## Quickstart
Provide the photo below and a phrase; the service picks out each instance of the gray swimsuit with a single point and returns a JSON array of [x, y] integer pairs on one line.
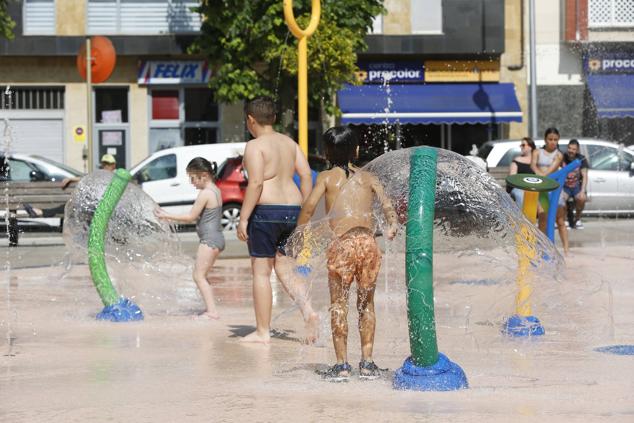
[[209, 229]]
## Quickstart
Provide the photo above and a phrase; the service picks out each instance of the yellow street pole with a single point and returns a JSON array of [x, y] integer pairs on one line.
[[302, 64]]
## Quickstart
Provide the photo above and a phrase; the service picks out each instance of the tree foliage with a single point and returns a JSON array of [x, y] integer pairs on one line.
[[253, 53], [6, 23]]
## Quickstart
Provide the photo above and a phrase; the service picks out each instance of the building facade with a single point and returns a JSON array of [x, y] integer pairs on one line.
[[434, 73], [156, 97], [585, 62]]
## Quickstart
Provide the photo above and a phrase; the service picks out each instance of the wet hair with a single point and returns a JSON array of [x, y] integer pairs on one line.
[[574, 142], [262, 109], [530, 142], [551, 130], [341, 146], [202, 165]]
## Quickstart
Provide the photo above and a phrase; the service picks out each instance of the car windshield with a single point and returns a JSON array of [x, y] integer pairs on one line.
[[59, 165]]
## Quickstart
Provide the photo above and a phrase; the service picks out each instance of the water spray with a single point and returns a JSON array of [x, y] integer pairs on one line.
[[523, 323], [426, 369], [117, 309]]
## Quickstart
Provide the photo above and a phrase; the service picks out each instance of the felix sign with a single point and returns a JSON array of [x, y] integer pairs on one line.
[[178, 72]]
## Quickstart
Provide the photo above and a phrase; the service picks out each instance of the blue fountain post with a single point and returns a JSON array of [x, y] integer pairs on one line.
[[553, 197], [117, 309], [426, 369]]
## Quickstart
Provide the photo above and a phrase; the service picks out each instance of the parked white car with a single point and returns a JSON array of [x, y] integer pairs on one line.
[[163, 177], [610, 172]]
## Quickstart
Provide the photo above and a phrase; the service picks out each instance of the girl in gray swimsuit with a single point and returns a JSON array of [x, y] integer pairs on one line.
[[208, 226], [206, 213]]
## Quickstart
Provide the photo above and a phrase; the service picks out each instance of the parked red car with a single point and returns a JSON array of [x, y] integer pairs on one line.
[[232, 184]]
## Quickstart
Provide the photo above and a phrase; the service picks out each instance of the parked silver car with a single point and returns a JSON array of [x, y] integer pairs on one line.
[[610, 173]]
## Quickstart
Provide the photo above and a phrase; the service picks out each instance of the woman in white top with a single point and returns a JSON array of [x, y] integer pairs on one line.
[[545, 161]]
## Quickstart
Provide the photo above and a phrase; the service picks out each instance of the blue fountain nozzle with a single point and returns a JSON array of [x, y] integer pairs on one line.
[[520, 326], [303, 269], [123, 311]]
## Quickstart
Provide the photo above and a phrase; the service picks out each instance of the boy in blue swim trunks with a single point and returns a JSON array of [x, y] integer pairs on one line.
[[269, 213]]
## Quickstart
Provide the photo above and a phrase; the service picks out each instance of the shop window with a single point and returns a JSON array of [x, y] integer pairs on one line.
[[162, 138], [39, 17], [32, 98], [196, 136], [377, 25], [200, 105], [111, 105], [142, 17], [165, 105], [426, 16], [183, 116]]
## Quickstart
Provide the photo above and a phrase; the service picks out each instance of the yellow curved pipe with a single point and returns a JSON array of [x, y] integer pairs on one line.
[[289, 16], [302, 65]]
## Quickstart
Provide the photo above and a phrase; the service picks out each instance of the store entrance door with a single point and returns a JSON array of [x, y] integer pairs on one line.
[[113, 141]]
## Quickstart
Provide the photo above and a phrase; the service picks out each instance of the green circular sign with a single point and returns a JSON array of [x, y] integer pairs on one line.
[[530, 182]]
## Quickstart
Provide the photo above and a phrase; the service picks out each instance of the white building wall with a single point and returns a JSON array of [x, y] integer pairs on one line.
[[557, 64]]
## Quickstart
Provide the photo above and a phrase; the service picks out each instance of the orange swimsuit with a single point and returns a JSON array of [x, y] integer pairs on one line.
[[355, 255]]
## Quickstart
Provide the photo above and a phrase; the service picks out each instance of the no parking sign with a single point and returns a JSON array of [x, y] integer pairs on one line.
[[79, 133]]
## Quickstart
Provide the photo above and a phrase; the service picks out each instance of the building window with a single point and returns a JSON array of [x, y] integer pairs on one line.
[[610, 14], [111, 105], [142, 17], [377, 25], [38, 17], [426, 16], [31, 98], [183, 116]]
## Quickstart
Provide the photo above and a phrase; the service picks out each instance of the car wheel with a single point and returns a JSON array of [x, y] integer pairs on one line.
[[230, 217]]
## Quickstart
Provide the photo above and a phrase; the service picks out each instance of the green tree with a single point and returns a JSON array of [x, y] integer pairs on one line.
[[253, 53], [6, 23]]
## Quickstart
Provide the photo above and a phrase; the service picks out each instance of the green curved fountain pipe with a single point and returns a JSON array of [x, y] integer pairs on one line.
[[419, 257], [97, 236]]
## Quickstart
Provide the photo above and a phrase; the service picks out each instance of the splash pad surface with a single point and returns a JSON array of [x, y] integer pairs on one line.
[[60, 365], [65, 366]]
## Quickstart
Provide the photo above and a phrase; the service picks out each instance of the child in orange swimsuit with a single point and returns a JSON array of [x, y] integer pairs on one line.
[[354, 255]]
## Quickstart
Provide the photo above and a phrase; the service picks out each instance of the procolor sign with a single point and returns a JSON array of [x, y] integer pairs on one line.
[[380, 72], [610, 63]]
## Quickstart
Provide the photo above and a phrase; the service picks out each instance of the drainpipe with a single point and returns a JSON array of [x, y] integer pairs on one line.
[[533, 70]]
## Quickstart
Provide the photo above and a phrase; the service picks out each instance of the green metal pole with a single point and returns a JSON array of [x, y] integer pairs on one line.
[[97, 236], [419, 257]]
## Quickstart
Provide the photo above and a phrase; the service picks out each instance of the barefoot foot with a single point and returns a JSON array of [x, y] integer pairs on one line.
[[207, 316], [255, 337], [312, 328]]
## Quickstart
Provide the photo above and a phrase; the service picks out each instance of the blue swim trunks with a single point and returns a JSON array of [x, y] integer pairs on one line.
[[269, 227]]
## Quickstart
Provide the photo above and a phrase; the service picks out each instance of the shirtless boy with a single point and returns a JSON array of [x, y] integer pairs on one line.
[[355, 253], [269, 213]]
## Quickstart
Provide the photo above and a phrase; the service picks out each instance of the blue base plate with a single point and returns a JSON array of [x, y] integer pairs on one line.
[[303, 270], [123, 311], [444, 375], [523, 326], [617, 349]]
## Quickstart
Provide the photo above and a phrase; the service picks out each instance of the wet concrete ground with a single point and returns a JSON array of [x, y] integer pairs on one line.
[[57, 364]]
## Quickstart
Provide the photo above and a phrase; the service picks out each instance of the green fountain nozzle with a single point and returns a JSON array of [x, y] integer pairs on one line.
[[116, 308]]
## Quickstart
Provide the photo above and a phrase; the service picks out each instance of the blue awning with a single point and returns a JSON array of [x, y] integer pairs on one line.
[[613, 95], [433, 103]]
